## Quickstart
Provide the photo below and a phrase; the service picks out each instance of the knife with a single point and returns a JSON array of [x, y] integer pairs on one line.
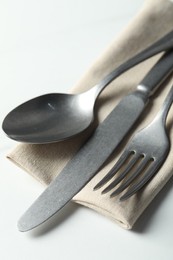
[[91, 156]]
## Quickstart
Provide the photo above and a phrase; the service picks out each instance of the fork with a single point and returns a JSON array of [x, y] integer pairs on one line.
[[143, 156]]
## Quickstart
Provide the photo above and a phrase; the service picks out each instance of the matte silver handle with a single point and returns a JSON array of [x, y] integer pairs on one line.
[[163, 44], [157, 74], [162, 115]]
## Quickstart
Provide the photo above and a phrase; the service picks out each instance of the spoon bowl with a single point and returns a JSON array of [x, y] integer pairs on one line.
[[49, 118]]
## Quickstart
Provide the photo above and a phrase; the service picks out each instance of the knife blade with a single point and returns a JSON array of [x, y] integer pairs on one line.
[[91, 156]]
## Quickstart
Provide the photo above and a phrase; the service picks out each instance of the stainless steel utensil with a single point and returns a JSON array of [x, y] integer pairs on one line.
[[55, 117], [89, 159], [144, 155]]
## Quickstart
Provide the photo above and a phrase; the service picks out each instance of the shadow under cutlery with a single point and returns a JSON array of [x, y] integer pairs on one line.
[[55, 221], [147, 217]]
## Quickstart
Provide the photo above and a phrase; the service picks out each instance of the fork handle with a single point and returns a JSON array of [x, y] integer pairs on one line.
[[157, 74], [163, 112]]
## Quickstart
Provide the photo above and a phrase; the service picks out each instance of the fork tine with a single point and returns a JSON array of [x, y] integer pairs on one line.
[[114, 170], [123, 174], [129, 180], [136, 187]]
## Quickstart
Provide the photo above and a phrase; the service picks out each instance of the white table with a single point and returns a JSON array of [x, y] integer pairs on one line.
[[45, 46]]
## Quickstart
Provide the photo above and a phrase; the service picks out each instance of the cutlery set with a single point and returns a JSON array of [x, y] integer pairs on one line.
[[56, 117]]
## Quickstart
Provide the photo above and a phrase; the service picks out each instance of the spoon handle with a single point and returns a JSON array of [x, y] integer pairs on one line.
[[163, 44]]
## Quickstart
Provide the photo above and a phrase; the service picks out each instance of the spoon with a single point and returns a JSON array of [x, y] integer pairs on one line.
[[56, 117]]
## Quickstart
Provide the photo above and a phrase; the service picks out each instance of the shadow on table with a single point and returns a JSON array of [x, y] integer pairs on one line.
[[55, 221], [147, 216]]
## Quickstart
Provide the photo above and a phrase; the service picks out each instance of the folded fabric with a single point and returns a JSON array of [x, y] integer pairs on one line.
[[46, 161]]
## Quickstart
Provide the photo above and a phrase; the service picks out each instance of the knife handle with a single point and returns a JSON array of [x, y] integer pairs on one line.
[[161, 45], [157, 74]]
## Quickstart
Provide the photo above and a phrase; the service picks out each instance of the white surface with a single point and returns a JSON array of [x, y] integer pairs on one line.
[[45, 46]]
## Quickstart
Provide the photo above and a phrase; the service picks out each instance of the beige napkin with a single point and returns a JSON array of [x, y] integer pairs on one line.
[[44, 162]]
